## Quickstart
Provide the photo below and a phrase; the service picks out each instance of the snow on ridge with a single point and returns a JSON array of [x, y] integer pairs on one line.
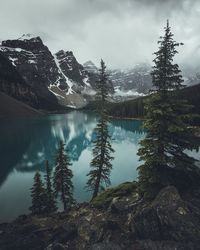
[[27, 37], [5, 48], [69, 83], [86, 81], [13, 60]]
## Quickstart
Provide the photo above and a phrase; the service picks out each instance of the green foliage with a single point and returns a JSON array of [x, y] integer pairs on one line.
[[105, 197], [50, 203], [63, 177], [101, 166], [168, 132], [38, 195]]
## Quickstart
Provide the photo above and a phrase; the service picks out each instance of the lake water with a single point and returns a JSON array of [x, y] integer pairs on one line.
[[25, 144]]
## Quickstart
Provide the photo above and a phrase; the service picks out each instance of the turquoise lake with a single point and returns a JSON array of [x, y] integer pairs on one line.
[[25, 144]]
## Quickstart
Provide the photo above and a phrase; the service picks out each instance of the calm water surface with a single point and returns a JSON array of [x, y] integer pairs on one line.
[[25, 144]]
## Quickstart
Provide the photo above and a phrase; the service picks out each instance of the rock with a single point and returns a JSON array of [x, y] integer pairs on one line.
[[167, 218], [66, 232], [56, 246], [13, 84], [90, 232], [105, 246], [51, 78], [166, 245], [34, 62], [170, 222], [118, 205]]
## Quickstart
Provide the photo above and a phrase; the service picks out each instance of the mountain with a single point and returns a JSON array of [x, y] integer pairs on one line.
[[12, 84], [90, 67], [137, 79], [34, 62], [135, 108], [55, 78], [129, 83], [10, 107], [60, 80], [76, 91]]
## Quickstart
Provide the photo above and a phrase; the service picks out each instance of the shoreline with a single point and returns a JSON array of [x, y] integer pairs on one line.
[[126, 118]]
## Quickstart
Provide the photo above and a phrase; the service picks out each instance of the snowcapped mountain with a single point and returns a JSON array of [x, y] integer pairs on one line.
[[35, 63], [55, 78], [12, 84], [129, 83], [137, 78], [90, 67], [60, 79]]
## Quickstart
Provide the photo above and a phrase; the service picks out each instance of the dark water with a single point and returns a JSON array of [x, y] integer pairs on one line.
[[25, 144]]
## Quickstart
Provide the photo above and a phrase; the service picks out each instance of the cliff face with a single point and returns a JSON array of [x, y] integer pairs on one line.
[[118, 219], [34, 62], [12, 84], [73, 70]]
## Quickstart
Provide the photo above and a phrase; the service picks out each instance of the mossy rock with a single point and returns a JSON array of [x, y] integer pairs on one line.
[[104, 198]]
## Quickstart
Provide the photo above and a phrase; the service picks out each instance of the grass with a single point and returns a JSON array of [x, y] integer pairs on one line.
[[104, 198]]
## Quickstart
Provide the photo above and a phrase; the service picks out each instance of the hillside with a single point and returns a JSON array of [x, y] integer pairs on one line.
[[135, 108], [10, 107]]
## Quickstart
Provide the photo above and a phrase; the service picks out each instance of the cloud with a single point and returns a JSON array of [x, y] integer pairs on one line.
[[123, 32]]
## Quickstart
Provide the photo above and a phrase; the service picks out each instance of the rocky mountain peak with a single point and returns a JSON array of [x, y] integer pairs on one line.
[[25, 42], [90, 67], [32, 37], [69, 65]]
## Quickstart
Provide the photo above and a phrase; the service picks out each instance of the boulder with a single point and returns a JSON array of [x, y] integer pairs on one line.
[[167, 218]]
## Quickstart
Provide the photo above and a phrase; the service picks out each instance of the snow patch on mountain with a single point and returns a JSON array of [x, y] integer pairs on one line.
[[129, 93], [68, 81]]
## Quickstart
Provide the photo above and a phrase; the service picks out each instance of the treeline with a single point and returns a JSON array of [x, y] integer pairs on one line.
[[135, 108]]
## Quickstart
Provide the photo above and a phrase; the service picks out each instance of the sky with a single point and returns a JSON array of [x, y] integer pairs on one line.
[[122, 32]]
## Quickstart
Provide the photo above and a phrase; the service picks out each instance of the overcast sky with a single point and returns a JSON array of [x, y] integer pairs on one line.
[[122, 32]]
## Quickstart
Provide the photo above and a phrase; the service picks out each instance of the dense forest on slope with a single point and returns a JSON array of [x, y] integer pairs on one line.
[[135, 108]]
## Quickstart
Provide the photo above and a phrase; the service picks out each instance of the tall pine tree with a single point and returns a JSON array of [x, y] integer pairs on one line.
[[101, 166], [38, 195], [168, 132], [50, 199], [63, 177]]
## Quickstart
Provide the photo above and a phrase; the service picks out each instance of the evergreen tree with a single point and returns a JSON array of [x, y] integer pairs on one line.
[[101, 166], [63, 177], [168, 132], [50, 203], [38, 195]]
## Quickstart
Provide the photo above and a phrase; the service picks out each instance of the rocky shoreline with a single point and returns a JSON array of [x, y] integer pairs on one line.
[[118, 219]]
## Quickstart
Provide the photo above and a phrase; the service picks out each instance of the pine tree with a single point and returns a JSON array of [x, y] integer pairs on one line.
[[101, 166], [50, 203], [38, 195], [168, 132], [63, 177]]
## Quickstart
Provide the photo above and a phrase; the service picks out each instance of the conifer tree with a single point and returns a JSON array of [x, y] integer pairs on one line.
[[63, 185], [168, 132], [38, 195], [50, 199], [101, 166]]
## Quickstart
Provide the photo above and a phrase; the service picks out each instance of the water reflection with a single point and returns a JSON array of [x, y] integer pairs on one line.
[[26, 144]]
